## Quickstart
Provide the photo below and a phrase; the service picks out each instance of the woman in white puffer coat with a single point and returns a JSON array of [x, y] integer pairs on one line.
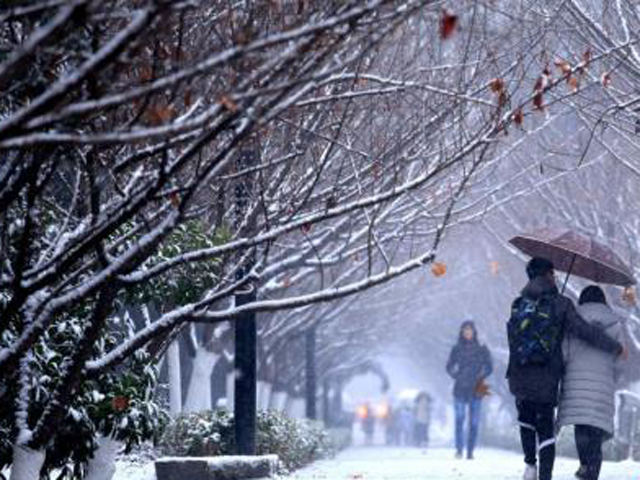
[[587, 398]]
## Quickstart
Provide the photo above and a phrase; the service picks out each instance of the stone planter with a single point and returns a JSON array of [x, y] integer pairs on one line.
[[216, 468]]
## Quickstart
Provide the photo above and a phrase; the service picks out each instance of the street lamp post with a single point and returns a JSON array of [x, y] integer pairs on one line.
[[245, 332]]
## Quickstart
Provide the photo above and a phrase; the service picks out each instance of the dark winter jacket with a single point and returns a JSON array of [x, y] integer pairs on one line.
[[469, 362], [537, 383]]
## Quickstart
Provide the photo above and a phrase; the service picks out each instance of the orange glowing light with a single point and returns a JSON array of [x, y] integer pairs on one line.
[[362, 412]]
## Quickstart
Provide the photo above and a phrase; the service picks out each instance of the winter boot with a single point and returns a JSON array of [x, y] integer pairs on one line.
[[582, 472]]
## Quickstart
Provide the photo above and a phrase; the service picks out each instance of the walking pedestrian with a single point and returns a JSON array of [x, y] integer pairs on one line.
[[540, 318], [368, 423], [587, 398], [469, 364], [423, 419]]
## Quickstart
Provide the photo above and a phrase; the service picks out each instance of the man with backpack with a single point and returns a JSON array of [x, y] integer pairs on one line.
[[540, 317]]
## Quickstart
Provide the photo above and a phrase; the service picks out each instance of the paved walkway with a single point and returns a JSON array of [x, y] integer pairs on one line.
[[380, 463]]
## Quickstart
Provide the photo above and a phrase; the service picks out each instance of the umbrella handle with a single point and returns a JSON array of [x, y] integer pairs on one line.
[[566, 279]]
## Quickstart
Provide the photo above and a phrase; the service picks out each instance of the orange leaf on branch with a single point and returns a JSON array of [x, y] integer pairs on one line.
[[448, 24], [228, 103], [606, 79], [563, 66], [438, 269], [159, 113], [574, 84]]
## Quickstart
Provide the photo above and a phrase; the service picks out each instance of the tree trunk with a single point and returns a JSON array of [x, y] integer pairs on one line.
[[26, 463], [103, 464], [231, 389], [199, 392], [264, 395], [295, 407], [175, 378], [279, 400]]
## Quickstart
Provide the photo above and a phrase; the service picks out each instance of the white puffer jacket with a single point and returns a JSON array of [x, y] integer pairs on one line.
[[589, 383]]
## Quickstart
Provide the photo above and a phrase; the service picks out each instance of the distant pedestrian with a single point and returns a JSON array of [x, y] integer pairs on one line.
[[406, 423], [540, 317], [391, 426], [368, 423], [423, 419], [587, 397], [469, 364]]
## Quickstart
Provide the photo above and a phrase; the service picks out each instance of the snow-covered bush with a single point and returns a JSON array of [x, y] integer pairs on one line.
[[117, 404], [202, 434], [211, 433]]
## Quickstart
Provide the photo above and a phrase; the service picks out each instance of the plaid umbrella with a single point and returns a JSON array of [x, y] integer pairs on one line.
[[575, 253]]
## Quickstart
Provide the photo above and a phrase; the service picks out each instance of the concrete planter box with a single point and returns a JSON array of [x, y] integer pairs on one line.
[[216, 468]]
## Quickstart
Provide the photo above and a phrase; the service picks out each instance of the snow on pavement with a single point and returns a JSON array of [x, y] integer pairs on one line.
[[379, 463]]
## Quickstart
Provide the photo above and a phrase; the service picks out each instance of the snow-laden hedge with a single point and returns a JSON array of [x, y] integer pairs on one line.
[[211, 433]]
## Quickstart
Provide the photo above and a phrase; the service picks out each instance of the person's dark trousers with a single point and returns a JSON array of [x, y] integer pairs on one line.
[[589, 444], [461, 406], [537, 435]]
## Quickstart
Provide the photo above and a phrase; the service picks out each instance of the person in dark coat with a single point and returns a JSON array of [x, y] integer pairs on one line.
[[536, 387], [469, 364]]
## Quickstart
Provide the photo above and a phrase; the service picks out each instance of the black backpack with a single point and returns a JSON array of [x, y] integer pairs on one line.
[[534, 333]]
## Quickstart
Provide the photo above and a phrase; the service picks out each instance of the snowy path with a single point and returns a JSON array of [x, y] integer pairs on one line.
[[378, 463]]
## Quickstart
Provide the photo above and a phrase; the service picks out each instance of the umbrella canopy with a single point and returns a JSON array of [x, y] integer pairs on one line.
[[575, 253]]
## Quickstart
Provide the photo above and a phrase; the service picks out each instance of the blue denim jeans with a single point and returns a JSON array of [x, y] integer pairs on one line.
[[461, 407]]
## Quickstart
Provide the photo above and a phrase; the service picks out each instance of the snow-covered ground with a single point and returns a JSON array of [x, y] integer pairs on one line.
[[379, 463]]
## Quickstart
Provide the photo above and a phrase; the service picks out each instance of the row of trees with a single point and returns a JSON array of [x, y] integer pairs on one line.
[[169, 154]]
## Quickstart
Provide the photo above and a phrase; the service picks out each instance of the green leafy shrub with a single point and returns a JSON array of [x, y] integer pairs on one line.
[[119, 404], [211, 433]]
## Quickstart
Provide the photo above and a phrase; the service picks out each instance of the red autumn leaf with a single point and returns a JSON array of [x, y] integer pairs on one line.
[[563, 66], [376, 170], [586, 56], [175, 200], [188, 98], [448, 24], [518, 117], [228, 103], [159, 113], [145, 73], [541, 83], [606, 79], [120, 403], [306, 227], [496, 85], [574, 84], [538, 101]]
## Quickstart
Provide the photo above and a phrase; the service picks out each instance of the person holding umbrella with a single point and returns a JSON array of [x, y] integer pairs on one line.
[[540, 317]]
